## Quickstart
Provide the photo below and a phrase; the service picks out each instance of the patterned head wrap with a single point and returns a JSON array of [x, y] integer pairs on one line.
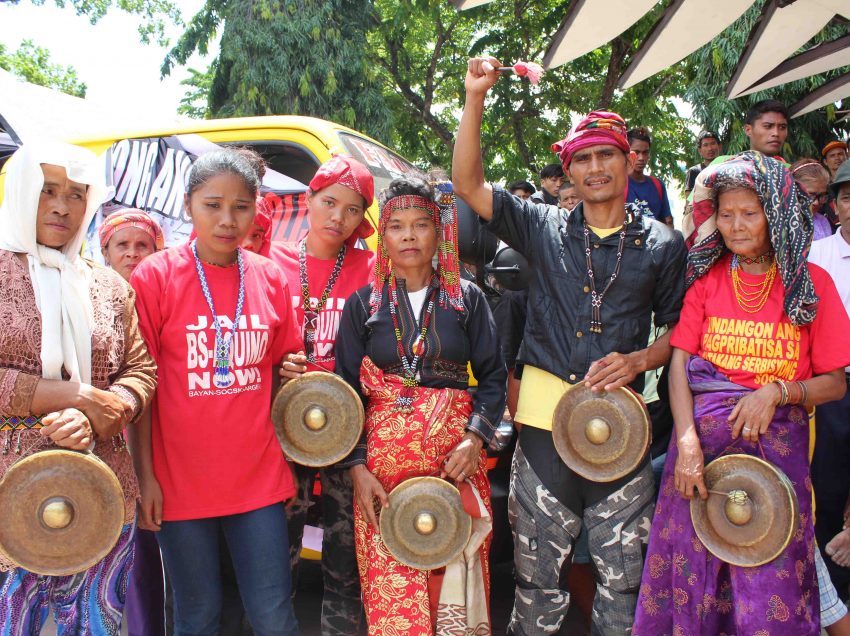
[[353, 175], [789, 224], [444, 215], [598, 128], [131, 217]]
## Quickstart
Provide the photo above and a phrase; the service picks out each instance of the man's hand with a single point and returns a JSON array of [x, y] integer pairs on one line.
[[481, 75], [613, 371]]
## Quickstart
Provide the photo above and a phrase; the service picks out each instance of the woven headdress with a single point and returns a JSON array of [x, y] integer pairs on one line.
[[444, 214]]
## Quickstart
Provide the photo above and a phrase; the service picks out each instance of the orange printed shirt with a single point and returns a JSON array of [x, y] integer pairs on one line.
[[754, 349]]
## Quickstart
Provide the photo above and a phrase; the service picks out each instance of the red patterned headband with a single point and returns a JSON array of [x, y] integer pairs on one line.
[[406, 202]]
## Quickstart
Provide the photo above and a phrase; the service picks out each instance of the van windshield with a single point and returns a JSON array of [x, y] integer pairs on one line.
[[382, 163]]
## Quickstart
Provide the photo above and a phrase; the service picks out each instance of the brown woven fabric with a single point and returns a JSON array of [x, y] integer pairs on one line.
[[119, 357]]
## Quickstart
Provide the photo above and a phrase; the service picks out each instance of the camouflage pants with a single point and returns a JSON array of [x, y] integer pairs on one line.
[[544, 531], [342, 607]]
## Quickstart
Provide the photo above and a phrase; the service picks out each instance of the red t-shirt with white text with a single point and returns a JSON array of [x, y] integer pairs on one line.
[[356, 272], [215, 452], [754, 349]]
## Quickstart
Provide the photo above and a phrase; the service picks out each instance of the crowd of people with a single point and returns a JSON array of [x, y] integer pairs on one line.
[[164, 364]]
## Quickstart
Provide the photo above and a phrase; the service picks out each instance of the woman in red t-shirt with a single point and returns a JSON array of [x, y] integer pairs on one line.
[[754, 348], [218, 320], [323, 270]]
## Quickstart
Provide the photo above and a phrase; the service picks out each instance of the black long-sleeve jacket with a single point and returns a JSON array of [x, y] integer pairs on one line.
[[453, 341]]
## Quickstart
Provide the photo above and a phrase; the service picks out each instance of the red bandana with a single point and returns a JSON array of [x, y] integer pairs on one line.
[[353, 175], [597, 129]]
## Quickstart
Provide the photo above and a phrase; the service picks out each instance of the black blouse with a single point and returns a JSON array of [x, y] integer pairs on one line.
[[453, 340]]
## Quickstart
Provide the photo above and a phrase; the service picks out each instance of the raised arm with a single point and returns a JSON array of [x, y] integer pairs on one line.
[[467, 167]]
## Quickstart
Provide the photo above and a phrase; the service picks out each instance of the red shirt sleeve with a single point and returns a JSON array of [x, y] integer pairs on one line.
[[146, 280], [688, 331], [830, 345], [287, 339]]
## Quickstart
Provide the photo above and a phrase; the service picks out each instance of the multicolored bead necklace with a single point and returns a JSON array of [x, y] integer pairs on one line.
[[758, 260], [596, 298], [404, 402], [221, 363], [311, 314]]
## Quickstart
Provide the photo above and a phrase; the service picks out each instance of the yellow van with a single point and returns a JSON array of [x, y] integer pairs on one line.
[[147, 164]]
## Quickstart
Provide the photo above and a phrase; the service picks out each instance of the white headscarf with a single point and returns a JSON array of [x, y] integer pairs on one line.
[[60, 278]]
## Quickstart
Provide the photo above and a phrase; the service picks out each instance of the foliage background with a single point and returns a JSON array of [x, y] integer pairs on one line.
[[394, 69]]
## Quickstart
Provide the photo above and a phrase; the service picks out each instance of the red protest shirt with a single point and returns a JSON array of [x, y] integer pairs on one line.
[[215, 452], [755, 349], [357, 270]]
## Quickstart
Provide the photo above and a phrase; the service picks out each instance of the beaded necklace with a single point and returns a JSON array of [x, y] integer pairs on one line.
[[404, 402], [311, 314], [751, 297], [596, 298], [221, 364], [758, 260]]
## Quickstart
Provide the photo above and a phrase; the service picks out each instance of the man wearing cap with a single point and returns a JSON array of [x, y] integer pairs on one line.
[[708, 147], [322, 270], [830, 468], [834, 154], [582, 326]]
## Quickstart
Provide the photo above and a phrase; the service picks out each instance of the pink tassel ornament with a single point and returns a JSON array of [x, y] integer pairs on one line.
[[525, 69]]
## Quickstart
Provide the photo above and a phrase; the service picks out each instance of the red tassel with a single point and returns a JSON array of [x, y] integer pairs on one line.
[[530, 70]]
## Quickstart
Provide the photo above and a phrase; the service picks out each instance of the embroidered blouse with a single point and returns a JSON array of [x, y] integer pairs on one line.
[[120, 363], [453, 343]]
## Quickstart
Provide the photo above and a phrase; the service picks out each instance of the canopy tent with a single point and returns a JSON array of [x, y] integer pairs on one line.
[[590, 24], [780, 32], [819, 59], [832, 91], [684, 27], [783, 28]]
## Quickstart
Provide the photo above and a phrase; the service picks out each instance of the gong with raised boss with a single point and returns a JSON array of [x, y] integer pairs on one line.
[[318, 419], [602, 436], [425, 526], [62, 512], [751, 512]]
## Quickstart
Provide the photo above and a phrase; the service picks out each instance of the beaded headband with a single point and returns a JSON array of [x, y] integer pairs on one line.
[[444, 215]]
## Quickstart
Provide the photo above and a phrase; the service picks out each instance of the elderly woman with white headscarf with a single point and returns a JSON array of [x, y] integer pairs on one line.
[[73, 370]]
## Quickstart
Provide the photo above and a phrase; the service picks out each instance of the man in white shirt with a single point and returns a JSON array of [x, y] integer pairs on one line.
[[830, 465]]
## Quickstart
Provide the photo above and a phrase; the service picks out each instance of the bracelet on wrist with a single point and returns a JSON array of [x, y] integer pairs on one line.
[[783, 390], [804, 391]]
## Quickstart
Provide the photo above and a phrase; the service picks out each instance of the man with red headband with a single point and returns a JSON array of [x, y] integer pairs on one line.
[[598, 276], [322, 270]]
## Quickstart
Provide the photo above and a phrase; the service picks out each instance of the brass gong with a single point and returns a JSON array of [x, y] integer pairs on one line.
[[601, 436], [318, 418], [425, 526], [752, 514], [62, 512]]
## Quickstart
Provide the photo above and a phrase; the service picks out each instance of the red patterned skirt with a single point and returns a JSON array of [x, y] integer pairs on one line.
[[400, 446]]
